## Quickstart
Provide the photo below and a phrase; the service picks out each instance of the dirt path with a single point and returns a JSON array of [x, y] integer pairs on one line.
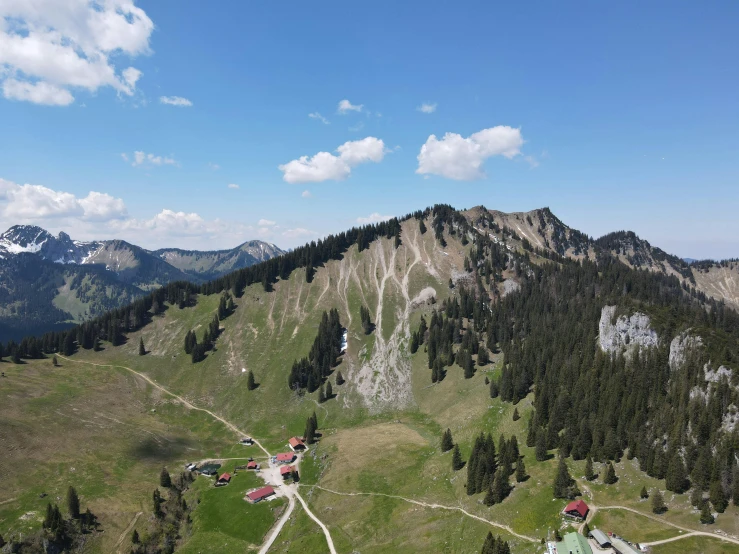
[[289, 491], [432, 506], [127, 530], [278, 526], [691, 534]]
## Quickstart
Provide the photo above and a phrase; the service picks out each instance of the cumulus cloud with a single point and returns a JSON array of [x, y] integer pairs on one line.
[[298, 233], [175, 101], [345, 107], [326, 166], [142, 158], [266, 223], [427, 108], [319, 117], [306, 194], [37, 203], [233, 186], [459, 158], [373, 218], [50, 48]]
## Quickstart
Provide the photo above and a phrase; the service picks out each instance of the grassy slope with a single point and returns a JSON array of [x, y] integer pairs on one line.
[[362, 450]]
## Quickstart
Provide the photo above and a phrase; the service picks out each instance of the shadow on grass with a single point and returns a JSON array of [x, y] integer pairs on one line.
[[154, 449]]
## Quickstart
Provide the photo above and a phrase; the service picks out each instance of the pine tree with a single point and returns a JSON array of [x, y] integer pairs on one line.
[[706, 515], [658, 502], [696, 497], [329, 390], [610, 477], [142, 349], [321, 395], [310, 431], [586, 529], [676, 478], [73, 503], [717, 497], [516, 417], [157, 503], [520, 471], [644, 494], [339, 378], [564, 484], [55, 362], [446, 441], [469, 367], [164, 478], [457, 462], [135, 537], [421, 226], [589, 473], [250, 382], [735, 487], [96, 345], [541, 446]]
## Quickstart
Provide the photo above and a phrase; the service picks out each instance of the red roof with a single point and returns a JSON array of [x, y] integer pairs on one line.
[[577, 506], [295, 442], [284, 470], [251, 465], [225, 477], [259, 494], [285, 457]]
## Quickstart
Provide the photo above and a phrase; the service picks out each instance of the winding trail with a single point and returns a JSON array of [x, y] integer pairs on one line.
[[127, 530], [691, 534], [433, 506], [290, 492], [278, 526]]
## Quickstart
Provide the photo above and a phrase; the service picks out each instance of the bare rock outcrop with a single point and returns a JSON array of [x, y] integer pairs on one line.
[[681, 346], [625, 334]]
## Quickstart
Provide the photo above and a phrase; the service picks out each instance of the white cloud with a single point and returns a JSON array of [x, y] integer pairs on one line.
[[427, 108], [48, 47], [532, 161], [345, 107], [325, 166], [124, 156], [306, 194], [358, 127], [298, 232], [38, 93], [175, 101], [373, 218], [37, 203], [142, 158], [461, 158], [319, 117], [233, 186], [214, 167], [266, 223]]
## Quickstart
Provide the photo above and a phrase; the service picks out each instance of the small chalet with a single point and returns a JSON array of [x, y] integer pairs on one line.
[[285, 458], [252, 465], [224, 479], [286, 471], [260, 494], [296, 444], [576, 509]]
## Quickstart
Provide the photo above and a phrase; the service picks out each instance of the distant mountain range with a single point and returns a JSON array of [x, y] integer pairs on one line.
[[49, 282]]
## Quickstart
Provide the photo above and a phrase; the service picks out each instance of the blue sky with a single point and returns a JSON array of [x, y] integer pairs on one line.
[[615, 116]]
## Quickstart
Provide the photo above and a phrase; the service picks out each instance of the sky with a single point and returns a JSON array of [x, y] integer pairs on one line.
[[204, 124]]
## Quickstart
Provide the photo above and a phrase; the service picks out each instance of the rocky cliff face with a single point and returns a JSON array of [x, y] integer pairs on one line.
[[625, 334], [681, 346]]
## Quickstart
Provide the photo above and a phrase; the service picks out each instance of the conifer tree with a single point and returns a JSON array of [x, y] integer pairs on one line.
[[696, 497], [96, 345], [321, 395], [142, 349], [339, 378], [55, 362], [135, 537], [658, 502], [310, 431], [717, 497], [421, 226], [735, 487], [531, 434], [164, 479], [706, 515], [250, 382], [564, 484], [676, 478], [446, 441], [541, 446], [516, 417], [469, 367], [586, 529], [610, 476], [644, 494], [589, 473], [520, 471], [457, 462], [329, 390], [73, 503]]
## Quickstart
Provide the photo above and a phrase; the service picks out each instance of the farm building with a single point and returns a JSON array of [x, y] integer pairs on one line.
[[576, 509], [224, 479], [600, 538], [285, 458], [252, 465], [286, 471], [209, 469], [248, 441], [296, 444], [574, 543], [621, 547], [260, 494]]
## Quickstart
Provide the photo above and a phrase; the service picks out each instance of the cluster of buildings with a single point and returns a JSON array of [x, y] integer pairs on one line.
[[284, 461]]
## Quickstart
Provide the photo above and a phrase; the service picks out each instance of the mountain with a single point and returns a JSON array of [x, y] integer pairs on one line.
[[49, 282], [558, 365]]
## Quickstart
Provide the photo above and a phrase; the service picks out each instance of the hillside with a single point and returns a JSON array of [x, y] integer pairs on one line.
[[51, 282], [587, 357]]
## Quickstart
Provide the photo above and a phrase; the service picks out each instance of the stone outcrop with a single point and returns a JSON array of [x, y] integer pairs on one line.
[[625, 334], [680, 346]]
